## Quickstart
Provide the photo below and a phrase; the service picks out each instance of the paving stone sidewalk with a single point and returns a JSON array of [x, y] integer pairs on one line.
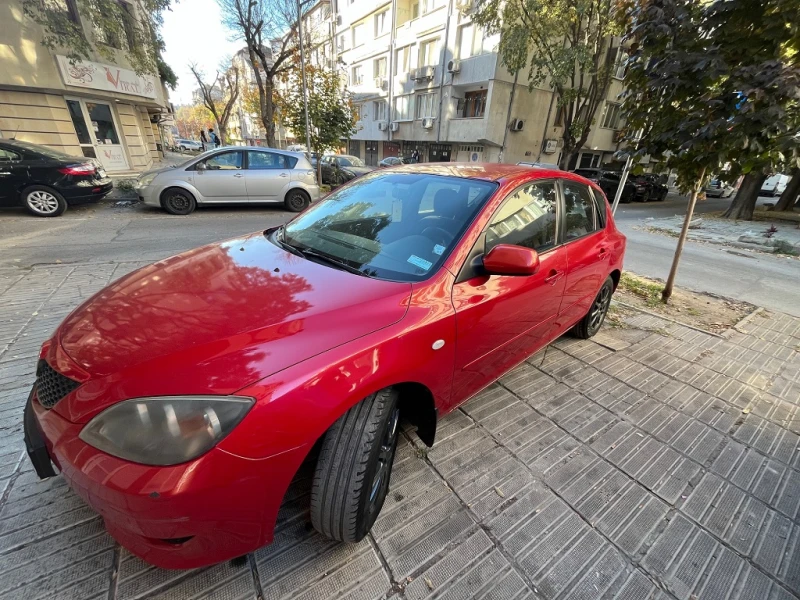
[[655, 461]]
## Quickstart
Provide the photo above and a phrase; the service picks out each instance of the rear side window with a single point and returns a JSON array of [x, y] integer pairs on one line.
[[579, 211], [527, 218], [257, 160]]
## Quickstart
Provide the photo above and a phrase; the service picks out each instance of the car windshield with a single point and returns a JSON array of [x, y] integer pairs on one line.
[[395, 226], [350, 161]]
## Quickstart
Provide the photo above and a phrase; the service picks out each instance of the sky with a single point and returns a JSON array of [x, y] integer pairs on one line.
[[193, 33]]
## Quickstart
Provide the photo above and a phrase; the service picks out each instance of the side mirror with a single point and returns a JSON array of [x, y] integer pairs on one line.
[[201, 166], [506, 259]]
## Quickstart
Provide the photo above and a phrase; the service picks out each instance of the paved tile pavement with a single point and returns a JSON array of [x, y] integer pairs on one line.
[[655, 461]]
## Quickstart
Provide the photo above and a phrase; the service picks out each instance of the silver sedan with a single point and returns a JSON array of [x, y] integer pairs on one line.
[[236, 174]]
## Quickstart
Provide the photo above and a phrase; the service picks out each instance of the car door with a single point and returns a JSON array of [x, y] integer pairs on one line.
[[268, 174], [502, 319], [222, 177], [586, 249], [14, 175]]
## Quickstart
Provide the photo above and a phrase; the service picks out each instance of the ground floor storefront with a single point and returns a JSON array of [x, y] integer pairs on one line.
[[124, 136]]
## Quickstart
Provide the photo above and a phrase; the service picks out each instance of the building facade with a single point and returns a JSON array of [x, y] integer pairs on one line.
[[425, 78], [95, 108]]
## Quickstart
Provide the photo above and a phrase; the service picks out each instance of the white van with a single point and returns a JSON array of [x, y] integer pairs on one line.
[[774, 185]]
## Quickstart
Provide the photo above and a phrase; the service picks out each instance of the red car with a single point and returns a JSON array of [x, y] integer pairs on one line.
[[180, 401]]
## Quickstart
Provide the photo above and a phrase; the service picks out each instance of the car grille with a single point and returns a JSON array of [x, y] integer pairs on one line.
[[52, 386]]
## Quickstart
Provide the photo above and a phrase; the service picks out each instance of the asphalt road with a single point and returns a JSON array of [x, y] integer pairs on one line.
[[762, 279], [110, 233]]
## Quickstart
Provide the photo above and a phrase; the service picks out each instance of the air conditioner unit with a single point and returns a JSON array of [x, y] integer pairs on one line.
[[380, 83], [454, 66], [423, 73], [394, 126], [550, 146], [382, 126], [517, 125], [338, 19], [427, 123]]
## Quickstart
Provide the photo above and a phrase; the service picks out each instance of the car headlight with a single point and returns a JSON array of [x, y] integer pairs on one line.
[[165, 431], [146, 179]]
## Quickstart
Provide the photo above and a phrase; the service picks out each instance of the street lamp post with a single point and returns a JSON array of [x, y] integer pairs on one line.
[[303, 74]]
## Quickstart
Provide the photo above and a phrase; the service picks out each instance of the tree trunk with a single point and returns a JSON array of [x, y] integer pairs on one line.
[[269, 113], [791, 193], [744, 202]]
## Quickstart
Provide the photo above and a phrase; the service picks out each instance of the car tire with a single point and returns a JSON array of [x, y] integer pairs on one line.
[[43, 201], [591, 323], [177, 201], [296, 200], [354, 466]]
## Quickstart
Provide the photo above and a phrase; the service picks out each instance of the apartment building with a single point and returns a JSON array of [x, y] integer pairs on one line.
[[426, 78], [93, 108]]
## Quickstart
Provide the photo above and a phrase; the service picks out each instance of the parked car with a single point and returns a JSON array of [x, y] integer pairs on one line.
[[609, 183], [649, 187], [717, 188], [181, 400], [341, 168], [188, 145], [392, 161], [774, 185], [46, 181], [244, 174]]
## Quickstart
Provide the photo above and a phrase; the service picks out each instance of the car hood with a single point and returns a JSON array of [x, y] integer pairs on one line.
[[216, 319], [359, 170]]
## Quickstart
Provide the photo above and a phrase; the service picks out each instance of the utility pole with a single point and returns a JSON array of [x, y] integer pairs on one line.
[[303, 74]]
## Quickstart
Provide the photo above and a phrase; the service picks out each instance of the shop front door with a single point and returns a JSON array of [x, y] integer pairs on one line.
[[98, 133]]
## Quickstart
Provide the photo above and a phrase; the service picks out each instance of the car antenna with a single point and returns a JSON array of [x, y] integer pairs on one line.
[[14, 137]]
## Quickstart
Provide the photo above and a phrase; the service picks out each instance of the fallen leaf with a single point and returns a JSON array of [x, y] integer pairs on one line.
[[429, 583], [745, 411], [499, 492]]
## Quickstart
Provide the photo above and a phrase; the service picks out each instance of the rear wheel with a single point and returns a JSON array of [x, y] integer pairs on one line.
[[591, 323], [354, 466], [178, 202], [43, 201], [296, 200]]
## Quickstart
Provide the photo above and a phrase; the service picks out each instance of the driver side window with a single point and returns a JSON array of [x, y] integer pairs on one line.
[[224, 161], [527, 218]]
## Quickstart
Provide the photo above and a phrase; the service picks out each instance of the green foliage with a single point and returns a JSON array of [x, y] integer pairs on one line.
[[112, 26], [713, 85], [565, 44], [330, 109]]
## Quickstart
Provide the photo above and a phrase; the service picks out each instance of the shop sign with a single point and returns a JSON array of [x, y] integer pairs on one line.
[[97, 76]]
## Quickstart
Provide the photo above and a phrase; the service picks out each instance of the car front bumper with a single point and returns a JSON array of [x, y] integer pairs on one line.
[[214, 508], [148, 194]]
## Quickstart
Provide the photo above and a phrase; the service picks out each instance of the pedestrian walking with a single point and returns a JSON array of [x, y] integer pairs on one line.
[[213, 138], [415, 156], [203, 140]]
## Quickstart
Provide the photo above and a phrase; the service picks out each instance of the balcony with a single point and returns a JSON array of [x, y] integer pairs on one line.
[[475, 69]]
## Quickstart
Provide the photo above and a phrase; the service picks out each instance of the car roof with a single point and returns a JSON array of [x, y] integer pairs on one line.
[[485, 171]]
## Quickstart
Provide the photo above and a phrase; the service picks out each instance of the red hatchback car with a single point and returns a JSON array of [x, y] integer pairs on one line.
[[180, 401]]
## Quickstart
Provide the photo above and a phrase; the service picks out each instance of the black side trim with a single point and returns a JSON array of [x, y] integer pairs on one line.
[[34, 442]]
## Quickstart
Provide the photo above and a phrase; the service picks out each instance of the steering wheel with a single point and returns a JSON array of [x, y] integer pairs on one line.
[[438, 235]]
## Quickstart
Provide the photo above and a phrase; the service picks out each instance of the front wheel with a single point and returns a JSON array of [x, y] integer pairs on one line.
[[178, 202], [591, 323], [355, 462]]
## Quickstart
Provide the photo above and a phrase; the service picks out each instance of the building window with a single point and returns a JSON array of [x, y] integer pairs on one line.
[[403, 107], [379, 67], [472, 41], [429, 53], [357, 112], [610, 118], [358, 34], [341, 43], [357, 76], [425, 6], [621, 65], [402, 63], [561, 114], [473, 104], [379, 110], [381, 23], [414, 10], [589, 160], [425, 105], [66, 6]]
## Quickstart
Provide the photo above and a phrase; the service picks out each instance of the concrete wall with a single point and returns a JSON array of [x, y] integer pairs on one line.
[[39, 119]]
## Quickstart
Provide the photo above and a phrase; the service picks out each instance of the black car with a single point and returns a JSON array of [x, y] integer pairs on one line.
[[609, 182], [654, 188], [341, 168], [45, 181]]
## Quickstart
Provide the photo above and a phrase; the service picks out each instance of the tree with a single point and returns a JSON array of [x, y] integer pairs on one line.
[[564, 43], [268, 28], [134, 31], [791, 195], [330, 110], [220, 96], [191, 119]]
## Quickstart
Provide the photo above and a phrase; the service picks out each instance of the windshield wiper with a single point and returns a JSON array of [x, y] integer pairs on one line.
[[278, 237], [329, 260]]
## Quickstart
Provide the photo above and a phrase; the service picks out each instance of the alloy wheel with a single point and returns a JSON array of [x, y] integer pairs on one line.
[[599, 308], [43, 202], [380, 481]]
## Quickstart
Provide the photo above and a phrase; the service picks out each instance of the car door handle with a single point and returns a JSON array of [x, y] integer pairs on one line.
[[553, 276], [2, 173], [284, 174], [603, 253], [238, 175]]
